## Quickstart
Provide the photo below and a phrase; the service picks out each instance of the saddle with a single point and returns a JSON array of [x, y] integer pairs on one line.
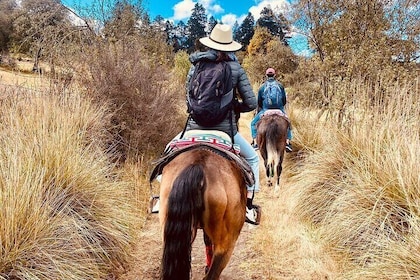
[[215, 141]]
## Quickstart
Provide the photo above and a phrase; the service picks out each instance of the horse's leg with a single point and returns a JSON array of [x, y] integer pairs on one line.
[[278, 171], [209, 250], [221, 256]]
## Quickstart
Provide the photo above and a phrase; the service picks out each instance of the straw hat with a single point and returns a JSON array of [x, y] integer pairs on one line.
[[221, 39]]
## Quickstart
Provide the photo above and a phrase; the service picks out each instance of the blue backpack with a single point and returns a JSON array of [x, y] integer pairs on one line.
[[273, 95]]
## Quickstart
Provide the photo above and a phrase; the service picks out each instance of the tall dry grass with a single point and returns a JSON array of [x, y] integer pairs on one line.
[[358, 186], [65, 211]]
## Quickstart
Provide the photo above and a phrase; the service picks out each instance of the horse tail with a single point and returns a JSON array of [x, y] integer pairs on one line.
[[185, 206], [273, 154]]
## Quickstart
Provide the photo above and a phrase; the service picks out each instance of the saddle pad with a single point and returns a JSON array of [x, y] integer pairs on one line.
[[217, 138], [242, 164], [275, 112]]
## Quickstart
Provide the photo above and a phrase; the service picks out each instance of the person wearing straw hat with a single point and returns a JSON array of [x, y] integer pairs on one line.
[[221, 47]]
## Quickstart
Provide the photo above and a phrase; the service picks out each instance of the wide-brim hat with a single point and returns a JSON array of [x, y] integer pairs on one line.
[[221, 39]]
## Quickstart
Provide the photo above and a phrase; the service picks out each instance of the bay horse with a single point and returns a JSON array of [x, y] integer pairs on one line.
[[200, 188], [271, 140]]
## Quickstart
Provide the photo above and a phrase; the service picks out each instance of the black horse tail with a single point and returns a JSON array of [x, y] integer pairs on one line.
[[185, 207]]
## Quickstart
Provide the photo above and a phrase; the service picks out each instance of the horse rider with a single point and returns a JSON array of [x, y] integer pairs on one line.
[[264, 103], [220, 44]]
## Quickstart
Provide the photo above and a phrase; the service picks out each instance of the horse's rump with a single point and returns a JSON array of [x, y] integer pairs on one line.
[[200, 188], [271, 139]]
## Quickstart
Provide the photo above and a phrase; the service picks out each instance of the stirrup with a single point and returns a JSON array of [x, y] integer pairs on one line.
[[154, 204], [257, 210]]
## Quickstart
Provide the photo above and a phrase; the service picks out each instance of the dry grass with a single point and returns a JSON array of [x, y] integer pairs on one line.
[[282, 247], [359, 188], [65, 212]]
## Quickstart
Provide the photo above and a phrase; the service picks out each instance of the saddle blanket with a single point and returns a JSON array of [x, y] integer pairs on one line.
[[275, 112], [214, 137]]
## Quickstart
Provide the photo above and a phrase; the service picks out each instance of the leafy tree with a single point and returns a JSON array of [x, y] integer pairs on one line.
[[211, 24], [196, 26], [246, 30], [41, 25], [7, 8], [404, 33], [265, 50], [273, 23], [123, 21], [259, 42]]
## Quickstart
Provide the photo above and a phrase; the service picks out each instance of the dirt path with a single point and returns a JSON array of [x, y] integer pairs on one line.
[[148, 259], [279, 248]]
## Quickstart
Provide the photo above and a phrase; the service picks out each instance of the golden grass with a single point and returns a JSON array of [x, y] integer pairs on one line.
[[360, 188], [65, 211], [281, 247]]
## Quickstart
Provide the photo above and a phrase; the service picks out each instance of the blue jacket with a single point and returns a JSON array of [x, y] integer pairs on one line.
[[261, 96]]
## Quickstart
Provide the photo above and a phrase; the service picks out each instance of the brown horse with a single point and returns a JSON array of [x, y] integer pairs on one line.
[[271, 140], [200, 189]]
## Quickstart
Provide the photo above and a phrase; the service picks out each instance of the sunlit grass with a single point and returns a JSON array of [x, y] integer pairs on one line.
[[360, 188], [65, 212]]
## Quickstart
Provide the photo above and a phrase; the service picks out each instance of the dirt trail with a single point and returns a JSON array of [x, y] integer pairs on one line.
[[291, 254]]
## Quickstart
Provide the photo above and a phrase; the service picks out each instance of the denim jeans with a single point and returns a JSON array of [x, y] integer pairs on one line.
[[251, 156], [255, 121]]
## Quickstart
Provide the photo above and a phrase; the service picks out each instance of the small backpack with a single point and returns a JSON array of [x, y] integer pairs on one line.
[[210, 92], [272, 95]]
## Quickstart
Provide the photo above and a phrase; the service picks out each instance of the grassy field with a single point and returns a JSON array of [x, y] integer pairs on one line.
[[349, 207]]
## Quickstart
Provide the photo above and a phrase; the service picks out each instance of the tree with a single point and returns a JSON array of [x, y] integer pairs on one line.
[[273, 23], [41, 25], [7, 8], [246, 30], [404, 33], [212, 23], [196, 26], [123, 22], [180, 35], [266, 50]]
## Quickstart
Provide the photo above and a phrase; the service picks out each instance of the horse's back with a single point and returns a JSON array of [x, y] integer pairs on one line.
[[272, 131]]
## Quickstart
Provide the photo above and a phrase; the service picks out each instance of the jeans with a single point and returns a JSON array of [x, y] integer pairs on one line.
[[255, 121], [251, 156]]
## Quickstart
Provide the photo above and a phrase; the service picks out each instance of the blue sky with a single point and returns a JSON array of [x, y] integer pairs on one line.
[[227, 11]]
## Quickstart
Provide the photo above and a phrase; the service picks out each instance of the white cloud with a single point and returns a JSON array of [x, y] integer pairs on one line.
[[276, 6], [229, 19], [182, 10]]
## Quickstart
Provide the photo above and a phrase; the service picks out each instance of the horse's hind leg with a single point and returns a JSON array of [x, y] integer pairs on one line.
[[279, 170], [221, 257], [209, 251]]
